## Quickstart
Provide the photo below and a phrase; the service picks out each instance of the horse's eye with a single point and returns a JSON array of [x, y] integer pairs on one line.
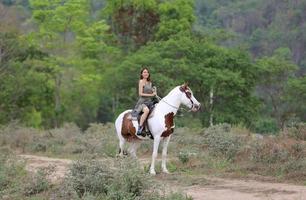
[[188, 94]]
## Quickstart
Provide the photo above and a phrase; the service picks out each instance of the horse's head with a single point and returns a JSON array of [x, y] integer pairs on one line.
[[188, 99]]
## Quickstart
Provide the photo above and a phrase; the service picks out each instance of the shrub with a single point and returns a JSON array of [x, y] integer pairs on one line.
[[266, 126], [12, 174], [4, 179], [298, 131], [90, 176], [220, 141], [268, 152], [122, 180], [183, 157], [38, 181], [39, 147], [293, 165]]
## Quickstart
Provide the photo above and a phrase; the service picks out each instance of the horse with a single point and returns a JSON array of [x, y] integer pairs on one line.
[[160, 123]]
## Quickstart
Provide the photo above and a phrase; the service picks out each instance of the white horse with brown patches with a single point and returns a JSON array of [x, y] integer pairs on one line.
[[160, 123]]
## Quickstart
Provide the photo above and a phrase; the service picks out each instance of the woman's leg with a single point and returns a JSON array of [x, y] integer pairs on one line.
[[143, 117]]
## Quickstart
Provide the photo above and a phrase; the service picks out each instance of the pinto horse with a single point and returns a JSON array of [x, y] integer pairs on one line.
[[160, 123]]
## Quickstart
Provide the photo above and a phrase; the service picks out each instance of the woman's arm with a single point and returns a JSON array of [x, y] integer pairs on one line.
[[140, 90]]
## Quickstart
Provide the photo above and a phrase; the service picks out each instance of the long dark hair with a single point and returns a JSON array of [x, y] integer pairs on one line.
[[145, 68]]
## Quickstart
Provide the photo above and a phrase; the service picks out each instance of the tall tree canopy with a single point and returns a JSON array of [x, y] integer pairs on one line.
[[79, 61]]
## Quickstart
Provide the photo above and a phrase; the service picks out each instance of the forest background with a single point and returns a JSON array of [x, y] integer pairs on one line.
[[79, 60]]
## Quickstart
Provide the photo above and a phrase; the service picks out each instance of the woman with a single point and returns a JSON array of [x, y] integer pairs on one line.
[[146, 96]]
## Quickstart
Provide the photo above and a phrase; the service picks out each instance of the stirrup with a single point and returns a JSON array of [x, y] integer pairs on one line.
[[139, 131]]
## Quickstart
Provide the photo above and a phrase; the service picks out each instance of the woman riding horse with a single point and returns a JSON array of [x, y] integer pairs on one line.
[[145, 102], [161, 124]]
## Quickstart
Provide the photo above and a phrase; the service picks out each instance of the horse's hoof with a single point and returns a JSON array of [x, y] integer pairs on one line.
[[119, 156], [152, 172], [166, 171]]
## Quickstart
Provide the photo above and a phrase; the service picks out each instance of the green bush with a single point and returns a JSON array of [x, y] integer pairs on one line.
[[183, 157], [90, 176], [12, 174], [220, 141], [266, 126], [38, 182], [122, 180], [39, 147]]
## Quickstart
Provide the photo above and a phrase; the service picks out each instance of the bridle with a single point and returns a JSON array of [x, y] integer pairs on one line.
[[188, 95]]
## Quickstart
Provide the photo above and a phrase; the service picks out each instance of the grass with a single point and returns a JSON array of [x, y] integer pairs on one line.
[[221, 150]]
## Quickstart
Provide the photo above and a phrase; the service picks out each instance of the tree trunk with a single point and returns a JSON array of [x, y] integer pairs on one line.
[[57, 99], [211, 101]]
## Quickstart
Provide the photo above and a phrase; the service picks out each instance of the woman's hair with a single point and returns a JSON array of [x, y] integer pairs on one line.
[[145, 68]]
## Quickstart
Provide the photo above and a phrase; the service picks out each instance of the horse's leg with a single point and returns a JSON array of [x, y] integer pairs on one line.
[[121, 146], [164, 154], [154, 154], [133, 149]]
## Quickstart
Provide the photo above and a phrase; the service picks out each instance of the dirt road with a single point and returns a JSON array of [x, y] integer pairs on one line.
[[216, 189]]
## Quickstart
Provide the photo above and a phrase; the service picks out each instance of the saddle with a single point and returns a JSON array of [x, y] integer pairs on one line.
[[146, 131], [136, 117]]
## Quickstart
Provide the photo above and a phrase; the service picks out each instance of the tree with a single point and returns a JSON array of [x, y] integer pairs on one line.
[[296, 95], [136, 22], [22, 82], [274, 74], [82, 49], [204, 65], [175, 17], [133, 22]]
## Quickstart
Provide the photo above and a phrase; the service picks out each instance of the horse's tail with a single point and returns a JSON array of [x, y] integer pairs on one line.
[[118, 127]]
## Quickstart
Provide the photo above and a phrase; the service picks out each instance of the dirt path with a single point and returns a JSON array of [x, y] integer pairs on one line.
[[33, 163], [241, 190], [216, 189]]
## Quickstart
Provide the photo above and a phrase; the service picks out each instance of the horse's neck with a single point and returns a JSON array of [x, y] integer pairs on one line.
[[169, 103]]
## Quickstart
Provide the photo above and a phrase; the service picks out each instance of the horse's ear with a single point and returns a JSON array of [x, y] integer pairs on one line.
[[184, 87]]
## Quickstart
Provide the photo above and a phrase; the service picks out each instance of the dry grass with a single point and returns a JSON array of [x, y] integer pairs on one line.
[[218, 150]]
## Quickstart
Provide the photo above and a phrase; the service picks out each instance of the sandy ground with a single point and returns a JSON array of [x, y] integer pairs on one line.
[[216, 189]]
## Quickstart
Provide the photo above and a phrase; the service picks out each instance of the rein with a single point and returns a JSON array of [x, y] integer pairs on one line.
[[178, 108]]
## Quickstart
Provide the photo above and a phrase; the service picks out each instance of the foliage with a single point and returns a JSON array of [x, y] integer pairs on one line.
[[176, 16], [123, 180], [296, 89], [266, 126], [274, 75], [268, 152], [262, 25], [181, 59], [22, 83], [221, 149], [12, 174], [297, 131], [89, 177], [80, 55], [133, 22], [79, 62], [220, 141], [183, 157], [38, 182]]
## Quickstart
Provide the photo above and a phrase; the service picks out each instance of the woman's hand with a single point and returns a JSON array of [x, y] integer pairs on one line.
[[154, 94]]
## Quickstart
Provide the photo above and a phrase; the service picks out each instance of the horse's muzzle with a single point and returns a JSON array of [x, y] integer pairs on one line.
[[196, 107]]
